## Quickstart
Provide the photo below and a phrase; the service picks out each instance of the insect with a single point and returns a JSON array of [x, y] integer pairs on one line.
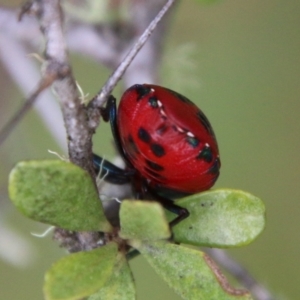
[[167, 143]]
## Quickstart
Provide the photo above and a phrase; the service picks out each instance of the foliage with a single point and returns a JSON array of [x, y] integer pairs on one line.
[[62, 194], [34, 188]]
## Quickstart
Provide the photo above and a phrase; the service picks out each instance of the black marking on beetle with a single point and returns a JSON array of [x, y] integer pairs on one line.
[[144, 135], [214, 169], [214, 179], [154, 166], [205, 154], [161, 129], [204, 121], [157, 150], [181, 97], [153, 101], [193, 141], [162, 190], [132, 148], [141, 90], [153, 173], [175, 128]]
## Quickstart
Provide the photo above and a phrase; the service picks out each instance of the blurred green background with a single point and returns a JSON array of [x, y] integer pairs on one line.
[[240, 61]]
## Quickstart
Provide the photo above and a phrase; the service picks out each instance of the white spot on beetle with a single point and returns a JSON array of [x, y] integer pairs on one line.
[[190, 134], [163, 113]]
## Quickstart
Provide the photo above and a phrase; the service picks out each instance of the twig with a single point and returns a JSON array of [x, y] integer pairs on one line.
[[14, 48], [7, 129], [115, 77], [258, 291], [78, 134], [112, 81], [146, 65]]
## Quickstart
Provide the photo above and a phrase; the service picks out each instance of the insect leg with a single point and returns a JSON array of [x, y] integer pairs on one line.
[[110, 172], [109, 113], [181, 212]]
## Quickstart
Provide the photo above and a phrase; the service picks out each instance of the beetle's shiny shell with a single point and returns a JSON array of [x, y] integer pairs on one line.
[[168, 139]]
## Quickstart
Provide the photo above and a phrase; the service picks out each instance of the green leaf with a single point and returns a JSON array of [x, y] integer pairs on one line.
[[190, 273], [120, 285], [58, 193], [220, 218], [81, 274], [143, 220]]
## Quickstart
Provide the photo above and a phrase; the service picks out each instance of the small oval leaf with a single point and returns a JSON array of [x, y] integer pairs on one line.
[[220, 218], [120, 286], [58, 193], [190, 273], [80, 274], [144, 220]]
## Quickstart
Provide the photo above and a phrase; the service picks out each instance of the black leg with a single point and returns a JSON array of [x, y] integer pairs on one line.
[[132, 254], [181, 212], [110, 172], [168, 204], [109, 113]]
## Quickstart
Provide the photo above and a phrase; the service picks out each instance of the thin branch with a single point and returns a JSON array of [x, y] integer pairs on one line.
[[112, 81], [146, 65], [26, 74], [94, 115], [99, 42], [79, 136], [7, 129], [241, 274]]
